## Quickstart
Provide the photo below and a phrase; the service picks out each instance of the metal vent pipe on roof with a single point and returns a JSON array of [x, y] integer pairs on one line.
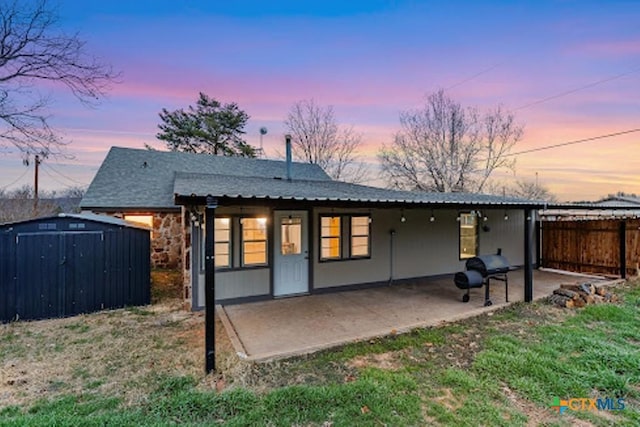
[[287, 139]]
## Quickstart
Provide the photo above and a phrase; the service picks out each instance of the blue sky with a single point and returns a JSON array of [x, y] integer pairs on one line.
[[370, 60]]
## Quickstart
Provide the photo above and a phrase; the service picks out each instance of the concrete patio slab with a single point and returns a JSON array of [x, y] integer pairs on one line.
[[287, 327]]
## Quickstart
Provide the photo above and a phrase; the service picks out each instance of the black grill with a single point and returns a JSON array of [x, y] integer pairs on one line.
[[480, 270], [488, 265]]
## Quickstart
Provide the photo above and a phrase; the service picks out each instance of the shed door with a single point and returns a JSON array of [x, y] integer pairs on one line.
[[59, 274], [291, 254]]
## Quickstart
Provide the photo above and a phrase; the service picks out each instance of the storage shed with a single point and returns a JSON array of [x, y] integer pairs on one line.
[[71, 264]]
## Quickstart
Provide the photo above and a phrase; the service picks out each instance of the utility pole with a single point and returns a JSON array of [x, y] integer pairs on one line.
[[35, 184]]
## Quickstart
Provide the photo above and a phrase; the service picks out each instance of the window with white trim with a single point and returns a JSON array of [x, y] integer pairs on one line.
[[254, 241]]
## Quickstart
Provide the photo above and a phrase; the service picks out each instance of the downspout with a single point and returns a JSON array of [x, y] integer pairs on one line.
[[391, 255]]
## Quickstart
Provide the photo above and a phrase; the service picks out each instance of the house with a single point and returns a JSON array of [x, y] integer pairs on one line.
[[612, 207], [279, 228]]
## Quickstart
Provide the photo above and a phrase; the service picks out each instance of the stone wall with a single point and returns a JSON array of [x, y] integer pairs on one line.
[[167, 241]]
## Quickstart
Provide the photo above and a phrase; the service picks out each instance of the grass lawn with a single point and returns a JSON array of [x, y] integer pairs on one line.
[[143, 366]]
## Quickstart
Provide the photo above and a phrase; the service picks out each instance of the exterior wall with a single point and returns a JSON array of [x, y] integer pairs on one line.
[[420, 247], [167, 240], [231, 283], [505, 234]]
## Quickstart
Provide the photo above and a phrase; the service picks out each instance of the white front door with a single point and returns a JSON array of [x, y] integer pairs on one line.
[[291, 253]]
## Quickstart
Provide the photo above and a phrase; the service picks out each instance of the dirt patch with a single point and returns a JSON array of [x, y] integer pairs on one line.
[[448, 400], [391, 360], [165, 285]]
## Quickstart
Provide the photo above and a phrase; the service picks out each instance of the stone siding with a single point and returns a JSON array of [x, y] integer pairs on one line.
[[167, 241]]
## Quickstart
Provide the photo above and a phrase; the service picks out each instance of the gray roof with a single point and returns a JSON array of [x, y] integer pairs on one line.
[[202, 185], [135, 178], [619, 201], [105, 219]]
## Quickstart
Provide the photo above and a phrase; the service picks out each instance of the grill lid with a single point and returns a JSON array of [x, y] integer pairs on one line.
[[488, 264]]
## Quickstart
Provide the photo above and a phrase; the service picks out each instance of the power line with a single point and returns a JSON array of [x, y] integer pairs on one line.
[[579, 141], [19, 178], [569, 92], [460, 83], [54, 178], [65, 176]]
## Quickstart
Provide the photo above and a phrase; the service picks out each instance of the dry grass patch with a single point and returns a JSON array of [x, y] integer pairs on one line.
[[121, 352], [391, 360]]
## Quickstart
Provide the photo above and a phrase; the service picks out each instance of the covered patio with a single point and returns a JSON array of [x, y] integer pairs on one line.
[[288, 327]]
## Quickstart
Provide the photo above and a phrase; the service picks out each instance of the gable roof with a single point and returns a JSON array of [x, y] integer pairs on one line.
[[198, 185], [619, 201], [136, 178]]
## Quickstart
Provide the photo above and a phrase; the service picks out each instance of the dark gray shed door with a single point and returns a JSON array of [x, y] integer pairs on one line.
[[59, 274]]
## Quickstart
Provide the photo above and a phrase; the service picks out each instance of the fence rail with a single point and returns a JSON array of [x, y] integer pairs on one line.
[[592, 246]]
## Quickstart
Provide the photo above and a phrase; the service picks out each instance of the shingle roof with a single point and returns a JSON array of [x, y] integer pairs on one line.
[[202, 185], [133, 178]]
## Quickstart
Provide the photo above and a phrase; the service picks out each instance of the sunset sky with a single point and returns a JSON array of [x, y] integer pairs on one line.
[[570, 70]]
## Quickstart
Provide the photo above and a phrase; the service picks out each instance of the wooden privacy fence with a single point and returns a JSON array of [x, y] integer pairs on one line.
[[608, 246]]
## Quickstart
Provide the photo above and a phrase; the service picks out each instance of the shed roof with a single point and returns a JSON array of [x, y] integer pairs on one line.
[[104, 219], [135, 178], [202, 185]]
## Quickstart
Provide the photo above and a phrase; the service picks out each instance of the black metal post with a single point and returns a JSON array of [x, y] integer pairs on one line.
[[210, 286], [529, 241], [623, 249], [538, 234]]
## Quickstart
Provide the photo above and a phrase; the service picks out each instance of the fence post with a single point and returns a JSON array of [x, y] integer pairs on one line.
[[623, 248]]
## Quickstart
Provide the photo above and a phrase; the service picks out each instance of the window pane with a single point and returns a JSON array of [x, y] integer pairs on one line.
[[254, 241], [468, 236], [222, 254], [330, 248], [255, 253], [330, 226], [330, 237], [291, 235], [359, 246], [359, 236], [254, 229], [222, 242]]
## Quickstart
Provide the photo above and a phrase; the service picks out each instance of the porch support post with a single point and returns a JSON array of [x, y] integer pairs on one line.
[[529, 242], [210, 286]]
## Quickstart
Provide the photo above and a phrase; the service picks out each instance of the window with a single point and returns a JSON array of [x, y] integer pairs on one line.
[[468, 235], [254, 241], [330, 239], [222, 242], [333, 232], [360, 236], [291, 232], [146, 220]]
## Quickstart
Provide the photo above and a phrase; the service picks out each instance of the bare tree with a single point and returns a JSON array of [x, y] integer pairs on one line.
[[445, 147], [34, 52], [317, 138], [532, 190]]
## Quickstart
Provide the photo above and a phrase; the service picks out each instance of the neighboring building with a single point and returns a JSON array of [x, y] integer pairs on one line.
[[611, 207], [278, 235]]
